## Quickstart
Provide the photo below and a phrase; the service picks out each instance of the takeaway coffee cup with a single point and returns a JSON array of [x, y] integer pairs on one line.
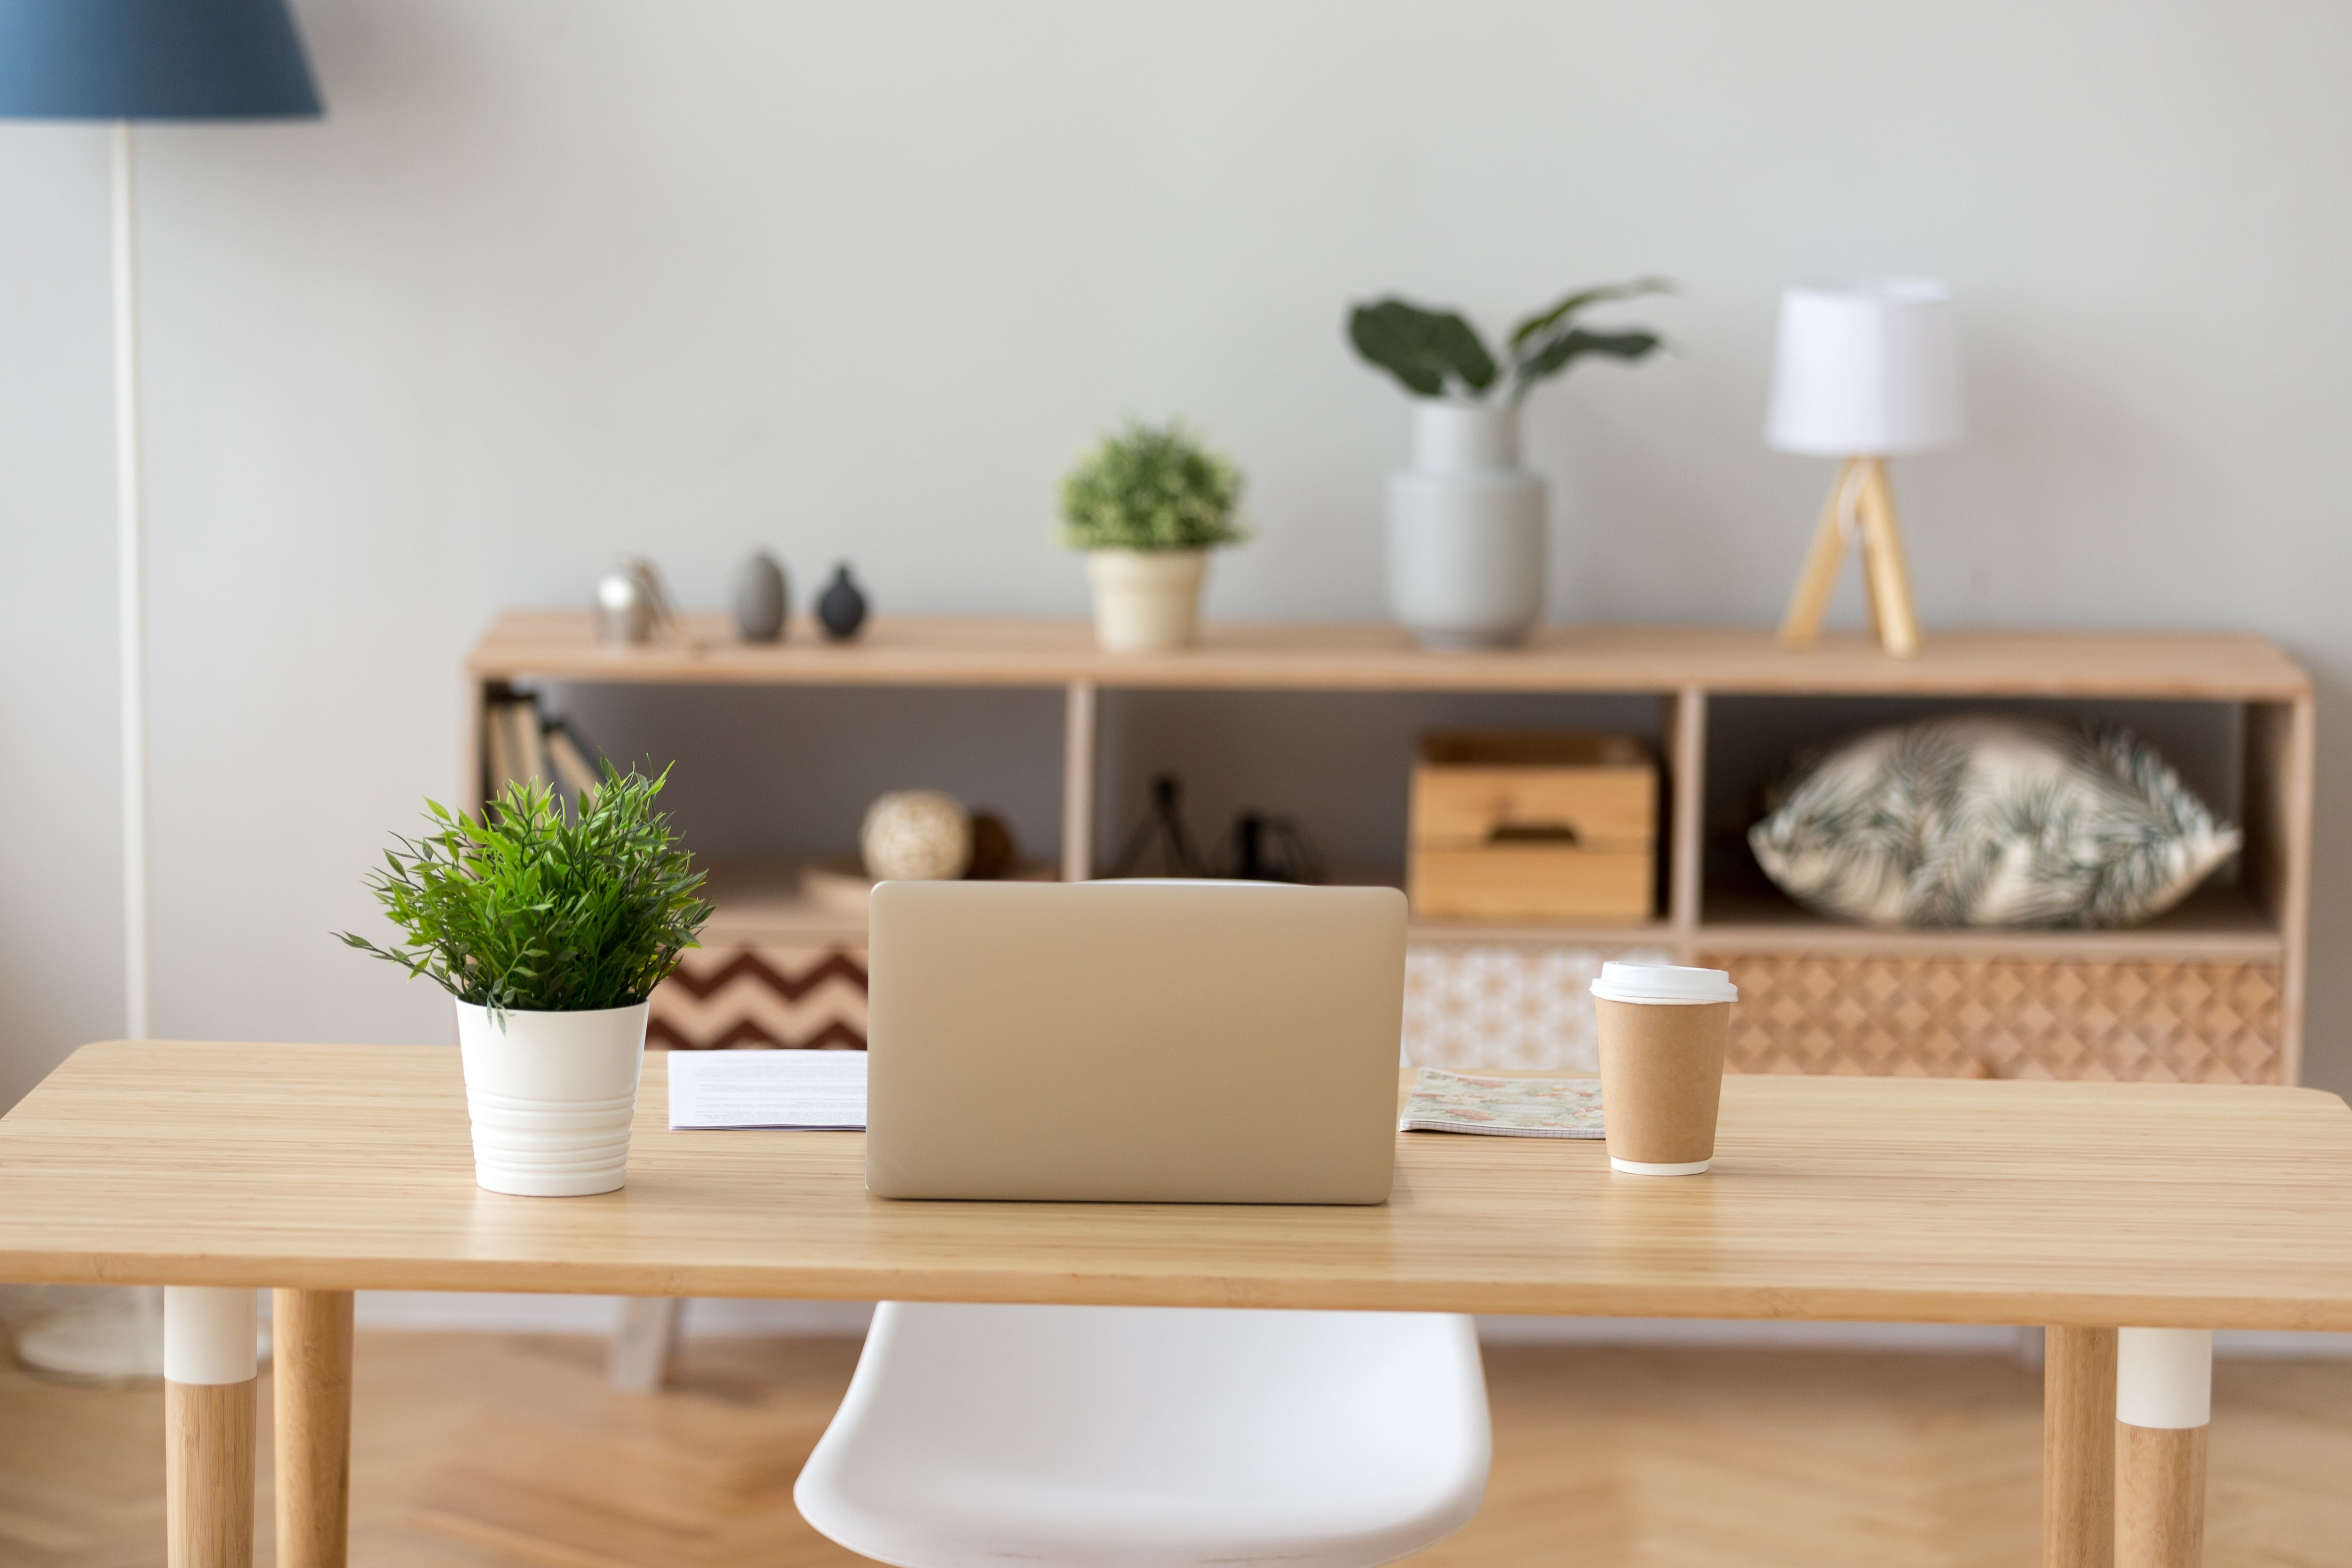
[[1662, 1031]]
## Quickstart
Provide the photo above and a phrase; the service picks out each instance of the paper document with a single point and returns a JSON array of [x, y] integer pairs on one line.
[[1503, 1107], [792, 1091]]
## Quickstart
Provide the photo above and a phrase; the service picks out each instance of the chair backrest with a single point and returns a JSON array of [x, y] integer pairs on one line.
[[973, 1435]]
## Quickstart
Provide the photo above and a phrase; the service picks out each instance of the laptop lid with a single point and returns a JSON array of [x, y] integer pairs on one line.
[[1183, 1042]]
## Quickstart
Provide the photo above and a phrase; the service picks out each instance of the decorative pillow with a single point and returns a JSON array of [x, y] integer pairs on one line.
[[1986, 821]]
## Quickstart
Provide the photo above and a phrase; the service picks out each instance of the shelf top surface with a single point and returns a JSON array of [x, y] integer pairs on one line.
[[1364, 657], [337, 1167]]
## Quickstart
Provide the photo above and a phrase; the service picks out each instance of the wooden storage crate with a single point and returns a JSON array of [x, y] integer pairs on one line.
[[1557, 827]]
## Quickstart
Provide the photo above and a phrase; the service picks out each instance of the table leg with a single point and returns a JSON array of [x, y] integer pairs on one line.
[[208, 1372], [2078, 1448], [2164, 1402], [311, 1333], [643, 1345]]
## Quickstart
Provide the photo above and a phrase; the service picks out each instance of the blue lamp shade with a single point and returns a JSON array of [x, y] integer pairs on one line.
[[152, 60]]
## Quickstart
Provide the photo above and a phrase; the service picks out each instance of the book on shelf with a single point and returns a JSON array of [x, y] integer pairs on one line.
[[521, 745], [498, 750], [569, 755]]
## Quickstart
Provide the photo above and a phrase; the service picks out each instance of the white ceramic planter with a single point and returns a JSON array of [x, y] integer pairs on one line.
[[552, 1096], [1465, 531], [1147, 599]]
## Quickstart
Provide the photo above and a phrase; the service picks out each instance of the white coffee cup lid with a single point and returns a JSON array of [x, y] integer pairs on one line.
[[1664, 983]]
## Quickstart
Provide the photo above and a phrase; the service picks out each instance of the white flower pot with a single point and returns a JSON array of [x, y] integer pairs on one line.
[[552, 1096], [1147, 599], [1466, 530]]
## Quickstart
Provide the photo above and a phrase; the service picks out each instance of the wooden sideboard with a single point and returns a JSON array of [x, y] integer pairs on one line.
[[2210, 992]]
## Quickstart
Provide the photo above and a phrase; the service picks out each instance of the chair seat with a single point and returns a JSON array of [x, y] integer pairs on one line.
[[1152, 1437]]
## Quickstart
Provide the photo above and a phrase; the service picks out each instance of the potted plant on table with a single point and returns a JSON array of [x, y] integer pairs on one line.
[[550, 930], [1465, 522], [1146, 504]]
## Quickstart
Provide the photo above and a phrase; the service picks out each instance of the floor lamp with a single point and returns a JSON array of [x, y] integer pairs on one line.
[[1864, 371], [126, 60]]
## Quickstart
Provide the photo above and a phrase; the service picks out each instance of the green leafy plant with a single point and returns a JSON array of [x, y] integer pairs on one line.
[[1146, 487], [1437, 353], [532, 909]]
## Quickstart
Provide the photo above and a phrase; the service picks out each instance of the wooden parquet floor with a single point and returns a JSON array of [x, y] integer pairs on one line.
[[482, 1451]]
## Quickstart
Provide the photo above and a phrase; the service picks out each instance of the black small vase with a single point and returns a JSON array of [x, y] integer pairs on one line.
[[842, 609]]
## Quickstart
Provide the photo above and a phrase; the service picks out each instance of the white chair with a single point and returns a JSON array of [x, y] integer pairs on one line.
[[1150, 1437]]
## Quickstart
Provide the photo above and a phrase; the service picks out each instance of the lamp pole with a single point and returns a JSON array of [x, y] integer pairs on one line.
[[131, 590]]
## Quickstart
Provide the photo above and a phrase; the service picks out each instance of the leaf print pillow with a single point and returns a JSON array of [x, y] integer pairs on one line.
[[1981, 820]]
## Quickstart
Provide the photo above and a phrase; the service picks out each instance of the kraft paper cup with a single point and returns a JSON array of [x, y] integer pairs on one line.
[[1662, 1033]]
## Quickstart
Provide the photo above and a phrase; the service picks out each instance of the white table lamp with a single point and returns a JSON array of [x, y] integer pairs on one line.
[[1864, 371]]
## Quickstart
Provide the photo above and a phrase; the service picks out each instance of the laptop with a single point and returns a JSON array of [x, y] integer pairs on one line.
[[1133, 1041]]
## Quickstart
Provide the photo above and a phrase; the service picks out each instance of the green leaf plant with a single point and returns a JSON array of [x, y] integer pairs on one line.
[[531, 909], [1146, 487], [1438, 354]]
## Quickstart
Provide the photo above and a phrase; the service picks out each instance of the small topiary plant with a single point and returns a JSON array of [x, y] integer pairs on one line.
[[1437, 353], [537, 910], [1149, 487]]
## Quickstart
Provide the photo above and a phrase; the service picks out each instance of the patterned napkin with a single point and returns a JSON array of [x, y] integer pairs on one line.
[[1503, 1107]]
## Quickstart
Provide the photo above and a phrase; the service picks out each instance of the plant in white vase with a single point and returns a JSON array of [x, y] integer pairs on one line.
[[1465, 522], [1146, 504], [550, 930]]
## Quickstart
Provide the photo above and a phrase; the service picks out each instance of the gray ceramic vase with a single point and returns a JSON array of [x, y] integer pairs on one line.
[[762, 598]]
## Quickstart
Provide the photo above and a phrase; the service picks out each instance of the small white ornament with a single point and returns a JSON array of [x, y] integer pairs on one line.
[[916, 835]]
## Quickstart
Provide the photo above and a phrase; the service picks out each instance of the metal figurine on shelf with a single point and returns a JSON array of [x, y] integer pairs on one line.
[[1260, 848], [633, 604], [1163, 828], [1272, 849]]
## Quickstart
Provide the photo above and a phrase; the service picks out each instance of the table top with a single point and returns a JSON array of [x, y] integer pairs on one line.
[[1303, 655], [335, 1167]]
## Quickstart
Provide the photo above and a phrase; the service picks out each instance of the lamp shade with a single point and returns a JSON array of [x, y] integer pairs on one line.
[[152, 60], [1866, 369]]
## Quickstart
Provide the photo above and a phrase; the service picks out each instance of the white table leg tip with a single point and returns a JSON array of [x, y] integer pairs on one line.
[[209, 1334]]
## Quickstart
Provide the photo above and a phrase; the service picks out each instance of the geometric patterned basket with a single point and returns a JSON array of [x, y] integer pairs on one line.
[[1505, 1004], [2137, 1021], [744, 997]]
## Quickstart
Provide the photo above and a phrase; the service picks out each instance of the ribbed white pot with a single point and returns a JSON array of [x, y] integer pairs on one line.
[[552, 1096], [1147, 599], [1466, 530]]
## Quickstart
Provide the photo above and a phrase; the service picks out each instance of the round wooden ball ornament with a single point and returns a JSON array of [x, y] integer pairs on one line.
[[916, 835]]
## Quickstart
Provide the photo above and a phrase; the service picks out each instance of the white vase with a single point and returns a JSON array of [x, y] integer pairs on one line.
[[1466, 530], [551, 1096], [1147, 600]]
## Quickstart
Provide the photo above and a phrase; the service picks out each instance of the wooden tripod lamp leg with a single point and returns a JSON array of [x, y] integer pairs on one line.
[[208, 1375], [1801, 627], [2164, 1402], [2078, 1448], [1882, 558]]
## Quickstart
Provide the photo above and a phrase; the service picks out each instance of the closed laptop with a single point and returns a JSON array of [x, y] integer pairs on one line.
[[1140, 1041]]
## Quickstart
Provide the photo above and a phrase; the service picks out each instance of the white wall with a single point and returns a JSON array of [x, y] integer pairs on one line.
[[559, 277]]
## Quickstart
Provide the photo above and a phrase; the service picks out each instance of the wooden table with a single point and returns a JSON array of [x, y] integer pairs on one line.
[[316, 1170]]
